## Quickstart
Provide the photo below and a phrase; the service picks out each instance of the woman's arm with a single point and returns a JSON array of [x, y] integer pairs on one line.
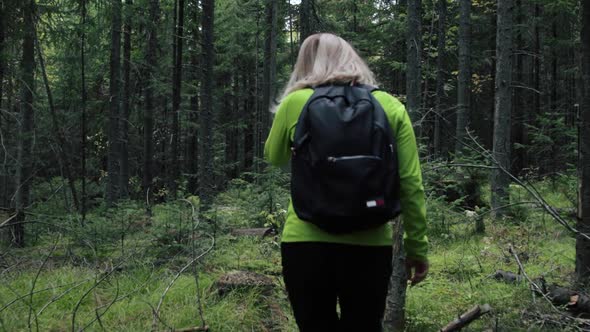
[[411, 189], [277, 147]]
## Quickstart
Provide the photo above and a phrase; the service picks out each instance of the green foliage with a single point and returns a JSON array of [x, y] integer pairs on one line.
[[134, 258], [255, 200], [138, 266], [553, 142]]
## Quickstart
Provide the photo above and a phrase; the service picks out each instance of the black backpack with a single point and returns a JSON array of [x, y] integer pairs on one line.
[[344, 165]]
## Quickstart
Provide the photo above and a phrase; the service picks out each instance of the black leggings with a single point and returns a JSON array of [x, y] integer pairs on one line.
[[318, 275]]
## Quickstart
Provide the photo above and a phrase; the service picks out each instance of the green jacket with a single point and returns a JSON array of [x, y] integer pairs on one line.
[[277, 151]]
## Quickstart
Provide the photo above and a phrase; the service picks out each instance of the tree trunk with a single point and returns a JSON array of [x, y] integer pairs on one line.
[[124, 155], [250, 104], [84, 98], [57, 131], [148, 114], [237, 118], [206, 171], [503, 107], [25, 146], [306, 21], [4, 174], [537, 61], [414, 50], [440, 75], [355, 11], [395, 316], [243, 117], [257, 151], [114, 98], [583, 225], [193, 141], [292, 54], [520, 110], [174, 167], [464, 86], [554, 57], [270, 63]]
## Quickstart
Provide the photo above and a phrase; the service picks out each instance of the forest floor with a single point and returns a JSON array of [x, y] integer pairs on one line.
[[120, 267]]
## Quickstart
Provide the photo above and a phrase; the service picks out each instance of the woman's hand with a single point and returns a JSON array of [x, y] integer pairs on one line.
[[416, 270]]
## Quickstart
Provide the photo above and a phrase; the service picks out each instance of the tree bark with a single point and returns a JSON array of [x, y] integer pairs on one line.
[[174, 167], [25, 146], [206, 171], [440, 75], [583, 224], [306, 21], [464, 83], [537, 61], [57, 130], [193, 141], [395, 316], [114, 99], [270, 64], [4, 174], [520, 114], [503, 107], [257, 151], [84, 98], [124, 124], [148, 114], [414, 50], [466, 318], [292, 54]]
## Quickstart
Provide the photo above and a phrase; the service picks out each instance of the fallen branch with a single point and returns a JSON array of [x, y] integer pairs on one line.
[[5, 222], [561, 321], [35, 283], [21, 297], [106, 275], [56, 298], [573, 300], [191, 329], [529, 188], [466, 318], [534, 286], [115, 300], [157, 310], [258, 232], [507, 276]]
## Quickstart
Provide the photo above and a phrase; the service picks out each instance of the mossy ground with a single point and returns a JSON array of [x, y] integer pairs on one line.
[[117, 281]]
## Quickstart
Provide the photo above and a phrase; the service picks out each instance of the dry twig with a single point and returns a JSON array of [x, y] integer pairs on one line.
[[189, 264], [529, 188], [467, 317]]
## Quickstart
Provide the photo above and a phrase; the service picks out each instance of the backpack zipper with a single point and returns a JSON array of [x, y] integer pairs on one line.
[[345, 158]]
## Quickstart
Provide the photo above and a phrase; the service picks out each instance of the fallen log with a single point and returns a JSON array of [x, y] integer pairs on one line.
[[558, 320], [260, 232], [466, 318], [243, 280], [574, 301], [507, 276], [192, 329]]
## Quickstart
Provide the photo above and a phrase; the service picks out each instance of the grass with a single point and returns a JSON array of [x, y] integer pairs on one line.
[[135, 270]]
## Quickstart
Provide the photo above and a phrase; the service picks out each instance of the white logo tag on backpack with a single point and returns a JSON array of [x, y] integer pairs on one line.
[[375, 203]]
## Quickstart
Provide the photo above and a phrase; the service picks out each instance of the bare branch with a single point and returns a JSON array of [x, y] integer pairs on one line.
[[156, 312], [529, 188], [536, 288], [35, 282]]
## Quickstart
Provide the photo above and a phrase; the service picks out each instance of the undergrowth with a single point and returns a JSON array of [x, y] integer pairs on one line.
[[110, 272]]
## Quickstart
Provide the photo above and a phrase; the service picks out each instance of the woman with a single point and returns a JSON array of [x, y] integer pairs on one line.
[[321, 268]]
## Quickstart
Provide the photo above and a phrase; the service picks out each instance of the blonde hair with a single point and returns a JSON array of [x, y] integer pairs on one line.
[[326, 58]]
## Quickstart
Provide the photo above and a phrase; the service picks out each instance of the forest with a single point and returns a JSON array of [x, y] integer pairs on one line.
[[134, 195]]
